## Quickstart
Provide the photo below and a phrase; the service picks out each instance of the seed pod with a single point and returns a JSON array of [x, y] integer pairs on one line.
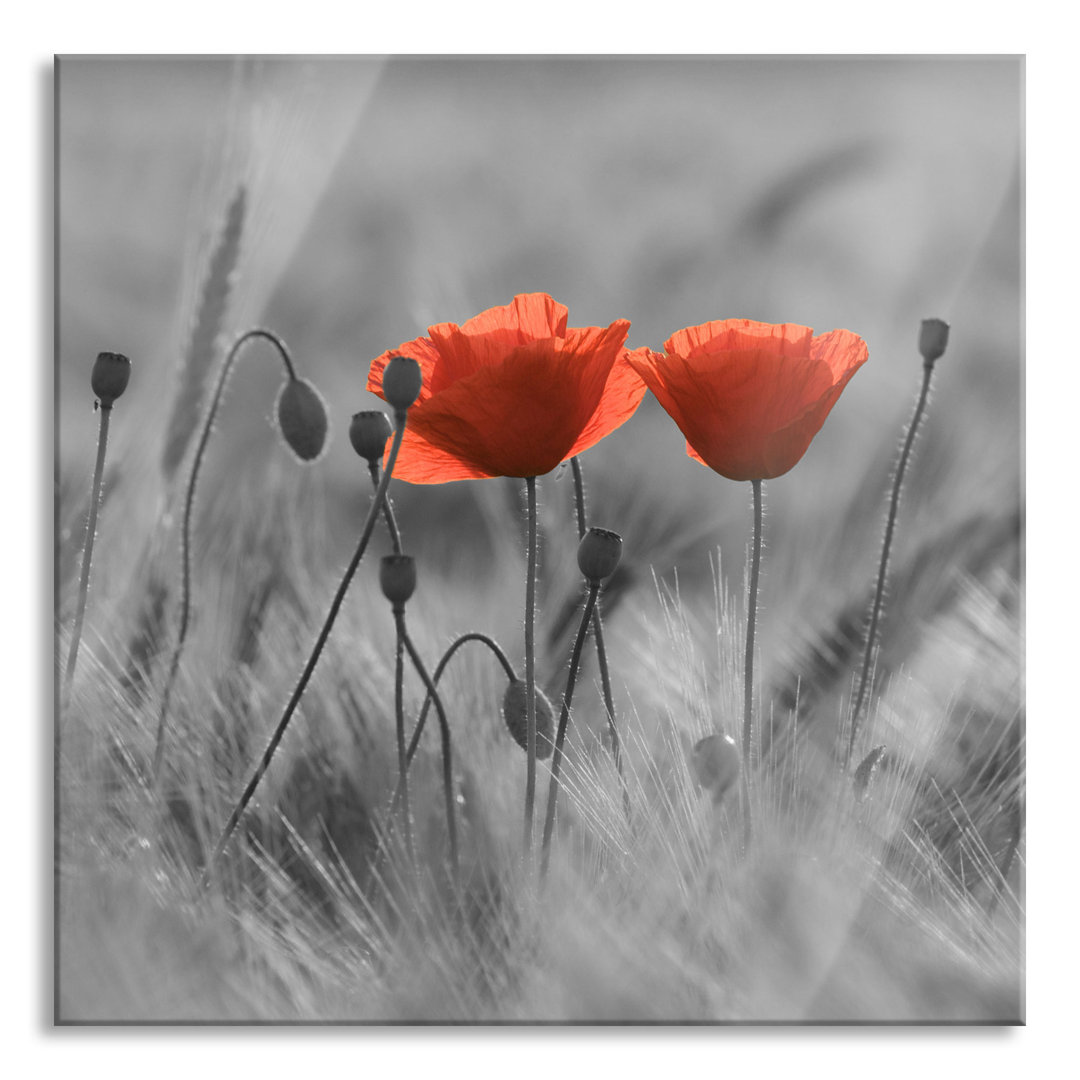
[[109, 377], [515, 713], [368, 433], [401, 382], [302, 418], [397, 576], [716, 763], [933, 337], [598, 554]]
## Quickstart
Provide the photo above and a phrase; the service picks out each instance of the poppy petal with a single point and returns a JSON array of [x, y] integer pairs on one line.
[[729, 335], [523, 416], [750, 397], [622, 395]]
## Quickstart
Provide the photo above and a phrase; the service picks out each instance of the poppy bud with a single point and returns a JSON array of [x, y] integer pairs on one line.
[[515, 713], [397, 576], [598, 554], [716, 763], [110, 376], [368, 433], [302, 419], [401, 382], [933, 337]]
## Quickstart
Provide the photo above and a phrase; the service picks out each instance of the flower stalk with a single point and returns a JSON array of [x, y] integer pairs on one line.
[[933, 338], [564, 720], [444, 731], [601, 651], [108, 380], [400, 401], [748, 666], [530, 666], [598, 558], [308, 449]]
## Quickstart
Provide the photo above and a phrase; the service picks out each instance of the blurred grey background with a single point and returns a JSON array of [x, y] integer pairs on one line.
[[387, 194]]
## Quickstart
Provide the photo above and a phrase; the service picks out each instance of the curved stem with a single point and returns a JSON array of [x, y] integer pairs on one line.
[[601, 651], [748, 685], [440, 668], [444, 730], [530, 668], [564, 720], [388, 510], [883, 566], [313, 659], [88, 554], [185, 525], [399, 725]]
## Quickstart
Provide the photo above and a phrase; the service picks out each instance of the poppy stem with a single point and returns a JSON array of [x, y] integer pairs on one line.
[[185, 525], [883, 565], [564, 720], [444, 731], [601, 651], [446, 657], [399, 720], [748, 686], [316, 652], [88, 554], [388, 510], [530, 668]]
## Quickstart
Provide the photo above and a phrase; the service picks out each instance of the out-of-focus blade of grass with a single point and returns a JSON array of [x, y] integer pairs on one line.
[[268, 163]]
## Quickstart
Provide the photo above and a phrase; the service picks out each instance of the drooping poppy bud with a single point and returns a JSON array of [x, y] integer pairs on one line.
[[933, 338], [598, 554], [302, 418], [515, 713], [110, 376], [715, 763], [397, 576], [401, 382], [368, 433]]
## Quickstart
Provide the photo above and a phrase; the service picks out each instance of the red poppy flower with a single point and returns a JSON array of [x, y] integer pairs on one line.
[[512, 392], [750, 396]]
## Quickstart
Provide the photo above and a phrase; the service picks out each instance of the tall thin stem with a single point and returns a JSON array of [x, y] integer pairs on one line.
[[88, 554], [388, 510], [601, 651], [444, 730], [186, 522], [883, 566], [313, 659], [748, 667], [564, 720], [530, 667], [399, 727]]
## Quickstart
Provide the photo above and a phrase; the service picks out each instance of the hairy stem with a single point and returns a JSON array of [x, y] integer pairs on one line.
[[399, 726], [186, 522], [601, 651], [440, 668], [883, 566], [564, 720], [444, 730], [88, 554], [388, 510], [313, 659], [530, 667], [748, 667]]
